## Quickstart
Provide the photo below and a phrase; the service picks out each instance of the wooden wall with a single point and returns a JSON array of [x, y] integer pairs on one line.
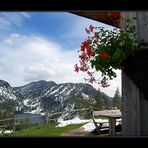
[[134, 102], [130, 107]]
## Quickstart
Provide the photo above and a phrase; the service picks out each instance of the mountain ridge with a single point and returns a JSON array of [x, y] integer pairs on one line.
[[48, 96]]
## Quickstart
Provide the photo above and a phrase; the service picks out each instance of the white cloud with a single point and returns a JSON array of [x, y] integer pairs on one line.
[[9, 19], [13, 38], [37, 72], [32, 58]]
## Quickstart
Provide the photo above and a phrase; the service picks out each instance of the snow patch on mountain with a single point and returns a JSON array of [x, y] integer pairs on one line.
[[42, 96], [26, 101], [7, 93], [85, 96], [53, 92], [50, 90], [38, 110], [64, 90], [68, 93], [75, 120]]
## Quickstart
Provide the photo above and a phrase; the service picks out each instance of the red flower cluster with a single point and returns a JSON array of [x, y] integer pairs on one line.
[[76, 68], [90, 52], [90, 29], [100, 51], [85, 45], [104, 55], [83, 56], [86, 54], [92, 79], [96, 35], [83, 66]]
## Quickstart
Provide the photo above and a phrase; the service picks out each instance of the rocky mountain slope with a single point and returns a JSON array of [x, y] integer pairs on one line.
[[40, 97], [10, 100]]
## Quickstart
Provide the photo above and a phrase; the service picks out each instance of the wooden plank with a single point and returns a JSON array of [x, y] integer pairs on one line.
[[107, 113], [140, 20]]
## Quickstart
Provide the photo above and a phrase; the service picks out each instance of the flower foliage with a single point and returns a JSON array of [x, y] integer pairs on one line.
[[104, 51]]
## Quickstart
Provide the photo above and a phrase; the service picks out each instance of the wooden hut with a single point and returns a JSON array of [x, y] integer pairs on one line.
[[135, 74]]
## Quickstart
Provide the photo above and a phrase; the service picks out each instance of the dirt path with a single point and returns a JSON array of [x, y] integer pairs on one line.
[[78, 132], [81, 132]]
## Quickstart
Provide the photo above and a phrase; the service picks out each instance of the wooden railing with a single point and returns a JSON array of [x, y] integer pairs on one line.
[[13, 122]]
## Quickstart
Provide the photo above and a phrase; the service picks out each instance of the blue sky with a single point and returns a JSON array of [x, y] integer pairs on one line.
[[43, 46]]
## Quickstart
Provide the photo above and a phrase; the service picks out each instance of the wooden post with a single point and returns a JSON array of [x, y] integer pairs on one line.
[[112, 126], [14, 124], [47, 117], [83, 113]]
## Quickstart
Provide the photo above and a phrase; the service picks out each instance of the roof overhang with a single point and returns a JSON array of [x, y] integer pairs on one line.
[[104, 17]]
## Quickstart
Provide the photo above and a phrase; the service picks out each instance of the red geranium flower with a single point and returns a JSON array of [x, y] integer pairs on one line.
[[88, 42], [85, 44], [95, 52], [90, 52], [83, 56], [96, 35], [84, 68], [92, 79], [104, 55], [91, 27], [88, 31], [76, 68]]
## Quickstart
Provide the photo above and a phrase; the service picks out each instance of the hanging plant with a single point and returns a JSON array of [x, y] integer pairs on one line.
[[104, 50]]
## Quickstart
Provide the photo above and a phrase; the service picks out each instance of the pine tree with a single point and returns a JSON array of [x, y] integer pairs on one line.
[[103, 101], [117, 99]]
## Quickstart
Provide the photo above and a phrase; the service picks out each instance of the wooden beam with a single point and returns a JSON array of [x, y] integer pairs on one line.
[[104, 17]]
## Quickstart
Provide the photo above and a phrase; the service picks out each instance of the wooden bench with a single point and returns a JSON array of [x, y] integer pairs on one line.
[[99, 125], [100, 128]]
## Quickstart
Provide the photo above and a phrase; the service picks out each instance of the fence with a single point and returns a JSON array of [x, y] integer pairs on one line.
[[15, 121]]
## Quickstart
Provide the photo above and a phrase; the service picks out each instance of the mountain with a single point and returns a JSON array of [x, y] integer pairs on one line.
[[42, 96], [34, 89], [10, 100], [33, 93]]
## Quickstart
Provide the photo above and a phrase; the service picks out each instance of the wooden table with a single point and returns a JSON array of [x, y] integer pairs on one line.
[[112, 122]]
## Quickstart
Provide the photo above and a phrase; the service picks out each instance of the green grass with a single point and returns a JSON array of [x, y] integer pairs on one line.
[[44, 130]]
